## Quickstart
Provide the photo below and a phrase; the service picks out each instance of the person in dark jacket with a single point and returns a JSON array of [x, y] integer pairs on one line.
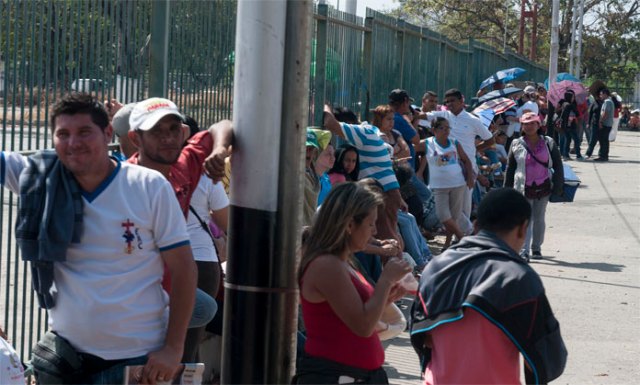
[[480, 306], [593, 123], [569, 116]]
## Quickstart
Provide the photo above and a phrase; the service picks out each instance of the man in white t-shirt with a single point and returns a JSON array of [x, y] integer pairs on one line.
[[464, 128], [105, 296], [528, 100]]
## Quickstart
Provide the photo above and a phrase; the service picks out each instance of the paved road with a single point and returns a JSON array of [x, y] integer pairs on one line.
[[591, 272]]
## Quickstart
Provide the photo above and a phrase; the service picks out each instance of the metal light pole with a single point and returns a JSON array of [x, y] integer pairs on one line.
[[553, 52], [270, 114], [578, 68], [574, 16]]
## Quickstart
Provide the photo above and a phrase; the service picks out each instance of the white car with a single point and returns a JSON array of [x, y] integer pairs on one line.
[[88, 85]]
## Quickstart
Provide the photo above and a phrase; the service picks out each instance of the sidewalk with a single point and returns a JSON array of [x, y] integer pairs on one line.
[[591, 273]]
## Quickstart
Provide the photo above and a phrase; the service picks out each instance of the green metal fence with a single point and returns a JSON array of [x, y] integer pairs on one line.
[[396, 54], [50, 47]]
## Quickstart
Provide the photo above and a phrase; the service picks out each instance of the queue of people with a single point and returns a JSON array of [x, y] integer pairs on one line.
[[373, 194]]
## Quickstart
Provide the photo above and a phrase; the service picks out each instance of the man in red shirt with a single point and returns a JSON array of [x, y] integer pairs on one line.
[[157, 130]]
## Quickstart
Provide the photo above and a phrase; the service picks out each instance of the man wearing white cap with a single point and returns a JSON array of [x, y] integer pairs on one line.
[[157, 130]]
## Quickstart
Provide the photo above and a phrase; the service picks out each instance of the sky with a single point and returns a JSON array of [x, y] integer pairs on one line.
[[378, 5]]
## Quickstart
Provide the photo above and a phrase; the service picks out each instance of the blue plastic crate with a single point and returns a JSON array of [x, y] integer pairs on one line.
[[571, 184]]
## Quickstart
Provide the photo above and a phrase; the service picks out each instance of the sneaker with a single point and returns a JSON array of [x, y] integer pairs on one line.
[[525, 256], [565, 158], [536, 255], [579, 158], [601, 159]]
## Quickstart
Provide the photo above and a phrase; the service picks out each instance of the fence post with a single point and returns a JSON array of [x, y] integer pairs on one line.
[[368, 63], [319, 94], [472, 71], [442, 66], [159, 48], [400, 25]]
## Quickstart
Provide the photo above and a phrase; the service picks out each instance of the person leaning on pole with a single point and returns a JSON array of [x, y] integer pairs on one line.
[[157, 131], [98, 233]]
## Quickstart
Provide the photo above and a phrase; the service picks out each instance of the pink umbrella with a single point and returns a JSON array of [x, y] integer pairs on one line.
[[557, 91]]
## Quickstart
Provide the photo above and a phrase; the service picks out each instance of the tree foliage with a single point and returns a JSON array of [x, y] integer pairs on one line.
[[610, 36]]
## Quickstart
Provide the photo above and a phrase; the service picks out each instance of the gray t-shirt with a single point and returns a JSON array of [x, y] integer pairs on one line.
[[607, 107]]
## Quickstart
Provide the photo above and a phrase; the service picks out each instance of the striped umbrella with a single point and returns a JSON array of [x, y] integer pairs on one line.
[[497, 105], [487, 110]]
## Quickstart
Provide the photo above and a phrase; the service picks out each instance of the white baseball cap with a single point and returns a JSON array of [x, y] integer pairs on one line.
[[148, 112], [529, 89]]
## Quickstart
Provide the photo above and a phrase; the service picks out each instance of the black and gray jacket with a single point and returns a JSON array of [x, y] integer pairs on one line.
[[483, 273]]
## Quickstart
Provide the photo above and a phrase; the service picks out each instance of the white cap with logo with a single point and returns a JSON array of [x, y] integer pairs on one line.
[[148, 112]]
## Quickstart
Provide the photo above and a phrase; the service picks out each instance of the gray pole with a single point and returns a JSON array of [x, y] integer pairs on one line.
[[159, 48], [578, 63], [270, 113], [553, 52], [572, 52], [351, 6]]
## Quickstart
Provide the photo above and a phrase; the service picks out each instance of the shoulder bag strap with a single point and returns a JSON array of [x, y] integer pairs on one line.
[[204, 225], [545, 164]]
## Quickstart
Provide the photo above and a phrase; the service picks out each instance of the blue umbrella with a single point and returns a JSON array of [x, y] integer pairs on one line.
[[502, 76], [560, 77]]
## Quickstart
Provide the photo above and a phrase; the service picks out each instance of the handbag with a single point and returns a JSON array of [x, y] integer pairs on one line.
[[538, 191], [55, 361]]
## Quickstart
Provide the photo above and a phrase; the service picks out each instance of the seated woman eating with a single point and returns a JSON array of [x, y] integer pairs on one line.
[[341, 310]]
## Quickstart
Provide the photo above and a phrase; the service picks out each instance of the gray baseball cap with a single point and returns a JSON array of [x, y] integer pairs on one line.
[[120, 121]]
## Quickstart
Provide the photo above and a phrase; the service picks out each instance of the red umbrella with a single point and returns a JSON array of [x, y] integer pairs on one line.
[[557, 91]]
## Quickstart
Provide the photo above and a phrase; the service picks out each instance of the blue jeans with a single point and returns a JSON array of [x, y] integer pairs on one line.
[[115, 374], [565, 142], [204, 310], [421, 189], [414, 242]]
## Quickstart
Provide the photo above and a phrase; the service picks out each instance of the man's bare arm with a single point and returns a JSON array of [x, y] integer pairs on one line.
[[222, 133], [165, 363], [331, 123]]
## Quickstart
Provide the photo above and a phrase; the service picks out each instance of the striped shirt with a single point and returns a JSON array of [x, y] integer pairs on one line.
[[375, 161]]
